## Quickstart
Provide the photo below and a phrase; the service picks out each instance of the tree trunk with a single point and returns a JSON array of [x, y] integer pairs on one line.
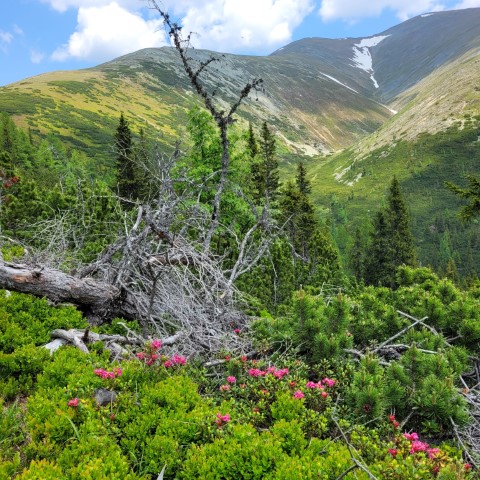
[[98, 301]]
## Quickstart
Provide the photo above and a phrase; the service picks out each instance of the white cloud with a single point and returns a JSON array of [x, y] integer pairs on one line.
[[233, 25], [36, 56], [64, 5], [107, 31], [17, 30], [355, 10], [5, 39], [468, 4]]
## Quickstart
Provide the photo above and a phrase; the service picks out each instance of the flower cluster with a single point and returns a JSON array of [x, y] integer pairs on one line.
[[73, 402], [276, 372], [10, 182], [321, 385], [393, 421], [100, 372], [222, 419], [175, 360], [417, 446], [151, 355]]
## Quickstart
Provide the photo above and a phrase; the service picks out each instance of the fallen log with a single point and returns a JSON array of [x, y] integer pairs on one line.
[[97, 300]]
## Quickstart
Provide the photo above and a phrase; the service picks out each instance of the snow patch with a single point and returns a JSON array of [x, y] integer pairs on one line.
[[338, 81], [363, 59], [427, 15]]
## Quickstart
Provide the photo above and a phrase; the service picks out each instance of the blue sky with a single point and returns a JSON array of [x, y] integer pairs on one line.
[[37, 36]]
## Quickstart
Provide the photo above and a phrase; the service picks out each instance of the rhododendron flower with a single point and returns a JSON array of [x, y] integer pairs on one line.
[[221, 419], [227, 358], [293, 384], [156, 344], [178, 360], [433, 452], [393, 452], [324, 394], [118, 371], [467, 467], [224, 388], [411, 436], [395, 424], [231, 379], [168, 364], [299, 394], [255, 372], [73, 402], [237, 331], [311, 385], [140, 355], [271, 369], [243, 358], [418, 446], [280, 373], [329, 382], [391, 418]]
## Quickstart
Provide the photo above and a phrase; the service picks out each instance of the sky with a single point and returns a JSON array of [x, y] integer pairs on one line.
[[38, 36]]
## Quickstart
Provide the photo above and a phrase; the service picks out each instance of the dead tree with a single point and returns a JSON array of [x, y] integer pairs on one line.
[[161, 270]]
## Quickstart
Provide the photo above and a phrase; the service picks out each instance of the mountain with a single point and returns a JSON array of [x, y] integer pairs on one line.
[[321, 95], [405, 101]]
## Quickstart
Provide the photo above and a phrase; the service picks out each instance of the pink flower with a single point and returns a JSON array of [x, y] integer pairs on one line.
[[280, 373], [237, 331], [324, 394], [411, 436], [418, 446], [227, 358], [222, 419], [433, 452], [178, 360], [224, 388], [168, 364], [140, 355], [467, 467], [73, 402], [299, 394], [395, 424], [329, 382], [231, 379], [118, 372], [255, 372], [100, 372], [392, 452], [311, 385], [156, 344], [391, 418], [271, 370]]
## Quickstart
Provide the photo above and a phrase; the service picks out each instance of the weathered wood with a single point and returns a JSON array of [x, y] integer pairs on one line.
[[96, 299]]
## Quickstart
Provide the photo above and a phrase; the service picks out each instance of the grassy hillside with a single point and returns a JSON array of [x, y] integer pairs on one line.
[[353, 191], [310, 113]]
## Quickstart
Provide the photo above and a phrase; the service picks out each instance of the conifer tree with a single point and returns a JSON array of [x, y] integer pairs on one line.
[[391, 242], [303, 184], [252, 144], [357, 255], [127, 183], [471, 193], [265, 175]]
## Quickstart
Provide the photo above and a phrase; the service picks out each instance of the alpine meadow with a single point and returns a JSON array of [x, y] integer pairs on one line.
[[226, 267]]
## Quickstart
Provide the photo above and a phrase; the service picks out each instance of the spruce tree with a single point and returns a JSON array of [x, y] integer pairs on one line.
[[402, 245], [127, 183], [301, 179], [265, 174], [472, 194], [391, 242]]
